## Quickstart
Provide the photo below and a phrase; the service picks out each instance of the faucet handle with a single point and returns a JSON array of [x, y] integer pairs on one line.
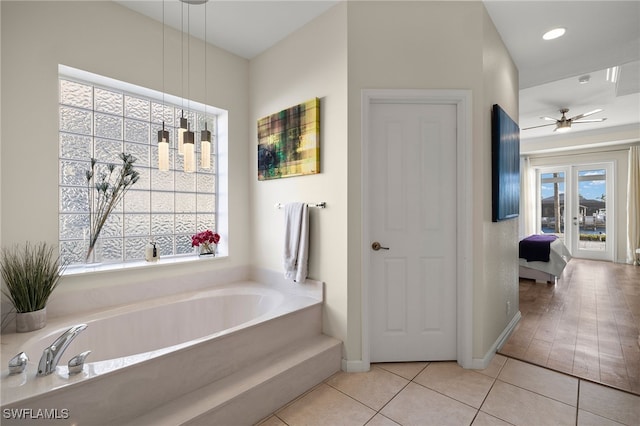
[[18, 363], [77, 362]]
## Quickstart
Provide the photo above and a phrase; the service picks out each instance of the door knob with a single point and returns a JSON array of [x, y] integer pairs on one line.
[[376, 246]]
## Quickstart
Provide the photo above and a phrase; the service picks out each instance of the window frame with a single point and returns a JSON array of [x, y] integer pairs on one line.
[[219, 172]]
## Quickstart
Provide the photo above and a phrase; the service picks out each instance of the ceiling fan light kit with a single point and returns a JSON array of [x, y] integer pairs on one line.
[[563, 127], [563, 124]]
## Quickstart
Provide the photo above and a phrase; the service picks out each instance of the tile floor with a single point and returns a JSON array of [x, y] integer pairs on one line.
[[586, 325], [442, 393]]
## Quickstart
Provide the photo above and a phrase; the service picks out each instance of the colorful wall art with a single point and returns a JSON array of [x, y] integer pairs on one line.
[[289, 142]]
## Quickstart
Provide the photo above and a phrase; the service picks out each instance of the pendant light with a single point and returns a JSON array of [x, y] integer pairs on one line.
[[205, 147], [205, 135], [189, 152], [163, 135], [188, 137], [163, 149], [184, 125]]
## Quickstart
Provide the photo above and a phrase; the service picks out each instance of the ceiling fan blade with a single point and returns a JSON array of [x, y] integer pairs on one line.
[[549, 118], [586, 114], [594, 120], [543, 125]]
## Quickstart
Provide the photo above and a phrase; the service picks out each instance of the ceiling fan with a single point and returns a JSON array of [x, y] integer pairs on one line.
[[563, 124]]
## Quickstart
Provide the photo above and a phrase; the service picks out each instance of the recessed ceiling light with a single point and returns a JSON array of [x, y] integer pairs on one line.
[[584, 79], [554, 33]]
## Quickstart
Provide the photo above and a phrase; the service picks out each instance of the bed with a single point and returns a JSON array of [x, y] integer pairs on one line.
[[542, 258]]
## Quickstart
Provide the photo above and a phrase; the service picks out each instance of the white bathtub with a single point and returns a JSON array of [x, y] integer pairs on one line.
[[149, 353]]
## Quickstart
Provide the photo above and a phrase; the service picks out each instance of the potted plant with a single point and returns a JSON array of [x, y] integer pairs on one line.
[[30, 274]]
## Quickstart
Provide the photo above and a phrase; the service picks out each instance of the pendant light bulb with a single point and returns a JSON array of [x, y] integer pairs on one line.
[[181, 131], [189, 148], [163, 149], [205, 148]]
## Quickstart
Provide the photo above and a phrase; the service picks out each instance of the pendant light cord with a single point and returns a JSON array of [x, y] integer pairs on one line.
[[182, 56], [188, 60], [163, 25], [205, 64]]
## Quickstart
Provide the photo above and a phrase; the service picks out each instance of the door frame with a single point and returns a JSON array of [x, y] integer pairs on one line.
[[464, 216], [571, 232]]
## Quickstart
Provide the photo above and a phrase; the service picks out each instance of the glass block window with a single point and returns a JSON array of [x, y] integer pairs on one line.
[[164, 206]]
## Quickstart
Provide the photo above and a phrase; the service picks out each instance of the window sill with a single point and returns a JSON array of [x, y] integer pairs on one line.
[[106, 267]]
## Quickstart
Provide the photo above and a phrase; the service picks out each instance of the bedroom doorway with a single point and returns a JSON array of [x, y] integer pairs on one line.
[[573, 203]]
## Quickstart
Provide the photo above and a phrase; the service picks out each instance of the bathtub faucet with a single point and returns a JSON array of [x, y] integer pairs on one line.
[[52, 354]]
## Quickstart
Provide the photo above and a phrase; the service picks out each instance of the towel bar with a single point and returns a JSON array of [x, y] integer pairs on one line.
[[320, 205]]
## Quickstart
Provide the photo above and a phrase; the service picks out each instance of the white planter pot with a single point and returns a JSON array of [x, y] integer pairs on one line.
[[30, 321]]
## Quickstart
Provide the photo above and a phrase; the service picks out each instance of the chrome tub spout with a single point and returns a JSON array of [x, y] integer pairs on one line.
[[51, 355]]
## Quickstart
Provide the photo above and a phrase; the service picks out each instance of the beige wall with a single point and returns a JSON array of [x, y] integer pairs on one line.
[[107, 39], [310, 63], [355, 45], [436, 45], [498, 251]]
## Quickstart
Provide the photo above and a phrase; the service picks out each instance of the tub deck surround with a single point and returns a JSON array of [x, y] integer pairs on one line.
[[134, 369], [74, 296]]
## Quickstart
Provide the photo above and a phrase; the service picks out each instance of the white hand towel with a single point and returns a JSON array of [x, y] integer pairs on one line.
[[296, 241]]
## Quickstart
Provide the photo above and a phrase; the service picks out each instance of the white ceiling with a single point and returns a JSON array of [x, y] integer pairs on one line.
[[244, 27], [600, 34]]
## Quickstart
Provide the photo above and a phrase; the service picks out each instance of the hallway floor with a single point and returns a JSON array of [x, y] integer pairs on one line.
[[442, 393], [586, 325]]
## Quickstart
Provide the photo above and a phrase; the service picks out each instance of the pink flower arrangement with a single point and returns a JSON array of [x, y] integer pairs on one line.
[[205, 239]]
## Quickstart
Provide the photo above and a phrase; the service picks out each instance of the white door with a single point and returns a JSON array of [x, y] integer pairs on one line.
[[592, 204], [412, 218]]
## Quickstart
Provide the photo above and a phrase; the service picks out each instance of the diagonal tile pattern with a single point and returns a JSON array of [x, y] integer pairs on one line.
[[508, 392]]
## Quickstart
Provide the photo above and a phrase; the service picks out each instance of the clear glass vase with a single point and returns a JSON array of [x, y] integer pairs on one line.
[[94, 254], [207, 249]]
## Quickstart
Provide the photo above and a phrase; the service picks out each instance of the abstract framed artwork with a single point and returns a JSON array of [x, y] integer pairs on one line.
[[289, 142], [505, 162]]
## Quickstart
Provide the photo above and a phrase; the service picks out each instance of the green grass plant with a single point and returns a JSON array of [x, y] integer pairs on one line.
[[30, 274]]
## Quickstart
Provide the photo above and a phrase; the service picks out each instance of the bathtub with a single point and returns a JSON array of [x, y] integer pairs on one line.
[[147, 354]]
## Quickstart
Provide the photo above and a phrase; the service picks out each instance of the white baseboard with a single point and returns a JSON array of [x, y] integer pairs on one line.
[[482, 363], [356, 366], [359, 366]]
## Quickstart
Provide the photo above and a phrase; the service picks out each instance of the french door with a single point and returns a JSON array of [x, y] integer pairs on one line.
[[574, 203]]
